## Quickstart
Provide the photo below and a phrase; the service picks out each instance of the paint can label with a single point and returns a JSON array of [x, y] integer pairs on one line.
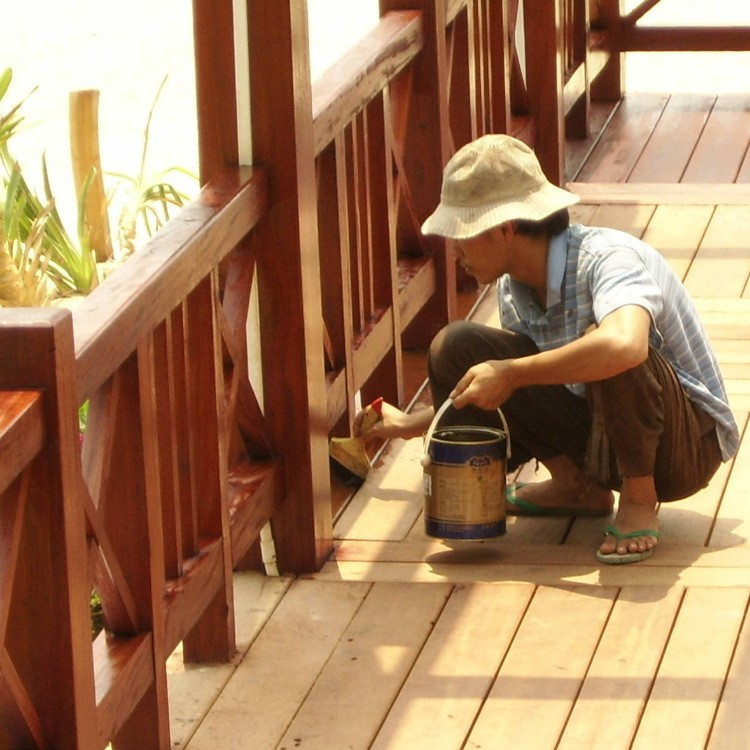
[[465, 484]]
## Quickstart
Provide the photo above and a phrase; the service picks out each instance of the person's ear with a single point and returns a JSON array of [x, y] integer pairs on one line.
[[506, 230]]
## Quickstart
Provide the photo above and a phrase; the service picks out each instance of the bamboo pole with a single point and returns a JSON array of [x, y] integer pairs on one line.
[[84, 154]]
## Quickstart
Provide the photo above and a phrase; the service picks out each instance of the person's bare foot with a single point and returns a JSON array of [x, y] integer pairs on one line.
[[630, 518], [636, 511], [566, 498]]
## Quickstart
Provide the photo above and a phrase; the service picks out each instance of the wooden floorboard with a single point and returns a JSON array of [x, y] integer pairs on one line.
[[402, 641], [671, 144]]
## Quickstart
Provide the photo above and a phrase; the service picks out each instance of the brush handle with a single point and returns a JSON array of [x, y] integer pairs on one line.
[[372, 413]]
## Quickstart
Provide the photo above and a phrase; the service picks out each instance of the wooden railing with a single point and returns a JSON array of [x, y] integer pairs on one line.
[[138, 506], [191, 444], [626, 34]]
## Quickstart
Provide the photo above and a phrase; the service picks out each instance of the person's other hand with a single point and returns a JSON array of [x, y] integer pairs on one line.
[[487, 385]]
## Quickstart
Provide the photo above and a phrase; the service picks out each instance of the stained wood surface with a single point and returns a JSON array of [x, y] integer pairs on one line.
[[402, 641]]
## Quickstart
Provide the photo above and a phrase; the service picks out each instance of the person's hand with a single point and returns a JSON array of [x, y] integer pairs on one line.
[[367, 418], [392, 423], [487, 385]]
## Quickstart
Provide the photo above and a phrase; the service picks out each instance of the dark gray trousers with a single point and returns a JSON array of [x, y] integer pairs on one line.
[[638, 423]]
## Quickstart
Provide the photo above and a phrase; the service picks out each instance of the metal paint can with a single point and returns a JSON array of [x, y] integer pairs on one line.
[[464, 480]]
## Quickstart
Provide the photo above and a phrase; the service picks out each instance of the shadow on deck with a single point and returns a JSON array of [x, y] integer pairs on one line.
[[401, 641]]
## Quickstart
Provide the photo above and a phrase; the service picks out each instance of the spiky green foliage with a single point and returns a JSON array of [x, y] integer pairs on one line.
[[70, 265], [147, 197]]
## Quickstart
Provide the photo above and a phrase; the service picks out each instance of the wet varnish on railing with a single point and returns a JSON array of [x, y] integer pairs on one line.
[[138, 506]]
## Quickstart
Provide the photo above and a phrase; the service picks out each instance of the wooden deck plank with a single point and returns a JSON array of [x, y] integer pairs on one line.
[[733, 356], [721, 148], [493, 553], [625, 138], [670, 147], [345, 707], [542, 673], [618, 682], [672, 565], [732, 524], [578, 149], [724, 318], [582, 213], [387, 504], [264, 693], [662, 193], [730, 726], [743, 175], [676, 232], [630, 218], [193, 688], [450, 680], [690, 678], [587, 532], [722, 265], [689, 521]]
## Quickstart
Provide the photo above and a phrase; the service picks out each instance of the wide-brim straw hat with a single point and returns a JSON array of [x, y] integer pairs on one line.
[[495, 179]]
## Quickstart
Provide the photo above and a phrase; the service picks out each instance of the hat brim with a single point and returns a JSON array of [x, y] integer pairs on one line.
[[463, 222]]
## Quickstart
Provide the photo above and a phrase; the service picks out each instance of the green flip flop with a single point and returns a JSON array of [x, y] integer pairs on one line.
[[613, 558], [516, 506]]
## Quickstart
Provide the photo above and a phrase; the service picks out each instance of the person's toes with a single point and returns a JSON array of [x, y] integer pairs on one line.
[[609, 545]]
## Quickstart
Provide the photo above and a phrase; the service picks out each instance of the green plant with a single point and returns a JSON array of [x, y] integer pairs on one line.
[[36, 225], [10, 121], [71, 268], [39, 259], [148, 197], [23, 265]]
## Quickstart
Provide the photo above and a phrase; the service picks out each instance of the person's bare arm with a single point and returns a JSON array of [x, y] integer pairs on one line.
[[619, 343], [394, 423]]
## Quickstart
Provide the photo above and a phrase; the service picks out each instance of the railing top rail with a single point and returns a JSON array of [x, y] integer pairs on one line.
[[21, 432], [359, 75], [130, 303]]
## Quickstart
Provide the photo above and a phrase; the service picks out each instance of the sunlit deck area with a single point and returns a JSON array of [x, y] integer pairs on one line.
[[401, 641], [214, 366]]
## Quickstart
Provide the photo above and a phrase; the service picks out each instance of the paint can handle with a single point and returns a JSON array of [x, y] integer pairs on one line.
[[425, 460]]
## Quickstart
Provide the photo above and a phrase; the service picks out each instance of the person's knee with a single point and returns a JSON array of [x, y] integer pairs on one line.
[[452, 352], [451, 338]]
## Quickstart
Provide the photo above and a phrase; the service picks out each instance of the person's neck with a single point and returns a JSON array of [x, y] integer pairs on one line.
[[532, 271]]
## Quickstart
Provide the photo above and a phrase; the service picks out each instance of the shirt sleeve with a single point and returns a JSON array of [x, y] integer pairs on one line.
[[619, 277]]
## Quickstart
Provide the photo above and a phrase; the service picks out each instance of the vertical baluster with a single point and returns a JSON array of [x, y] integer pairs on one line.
[[498, 49], [426, 148], [212, 639], [387, 379], [166, 437]]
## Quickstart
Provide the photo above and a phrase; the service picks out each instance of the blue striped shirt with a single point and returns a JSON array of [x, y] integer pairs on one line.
[[590, 273]]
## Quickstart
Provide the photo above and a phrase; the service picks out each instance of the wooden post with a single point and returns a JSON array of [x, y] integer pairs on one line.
[[544, 45], [84, 154], [49, 629], [609, 85], [289, 280], [215, 86]]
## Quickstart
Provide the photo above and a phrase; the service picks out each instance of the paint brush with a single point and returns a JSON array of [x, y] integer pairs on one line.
[[349, 459]]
